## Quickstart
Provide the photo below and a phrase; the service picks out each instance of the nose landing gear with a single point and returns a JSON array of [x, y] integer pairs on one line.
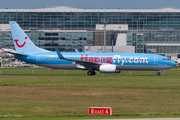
[[158, 74], [91, 72]]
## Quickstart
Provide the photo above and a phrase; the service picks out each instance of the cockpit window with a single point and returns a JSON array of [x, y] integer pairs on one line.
[[165, 59]]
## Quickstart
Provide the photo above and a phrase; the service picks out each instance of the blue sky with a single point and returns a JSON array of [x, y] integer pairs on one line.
[[90, 4]]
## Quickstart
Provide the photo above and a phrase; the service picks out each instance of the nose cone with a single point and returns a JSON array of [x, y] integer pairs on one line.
[[171, 63]]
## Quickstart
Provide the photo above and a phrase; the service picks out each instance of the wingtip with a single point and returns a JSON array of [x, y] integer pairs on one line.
[[59, 54], [76, 50]]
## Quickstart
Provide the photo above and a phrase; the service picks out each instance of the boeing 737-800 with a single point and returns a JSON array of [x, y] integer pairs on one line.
[[103, 62]]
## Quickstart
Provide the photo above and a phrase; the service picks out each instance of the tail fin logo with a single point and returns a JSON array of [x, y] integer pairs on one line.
[[20, 46]]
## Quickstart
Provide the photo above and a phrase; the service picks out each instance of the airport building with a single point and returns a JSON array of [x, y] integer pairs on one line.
[[66, 28]]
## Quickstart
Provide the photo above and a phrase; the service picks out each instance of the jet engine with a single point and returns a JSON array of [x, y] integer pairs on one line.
[[107, 68]]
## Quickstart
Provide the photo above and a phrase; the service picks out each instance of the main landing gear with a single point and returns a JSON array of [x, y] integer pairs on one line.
[[158, 74], [91, 72]]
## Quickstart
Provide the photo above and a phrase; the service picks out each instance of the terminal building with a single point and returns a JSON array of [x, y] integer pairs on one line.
[[66, 28]]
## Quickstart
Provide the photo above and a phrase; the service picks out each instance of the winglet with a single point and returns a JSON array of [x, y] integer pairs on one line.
[[59, 54], [76, 50]]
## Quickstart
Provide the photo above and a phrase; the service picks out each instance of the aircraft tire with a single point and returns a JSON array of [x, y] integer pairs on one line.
[[89, 73], [93, 73], [158, 74]]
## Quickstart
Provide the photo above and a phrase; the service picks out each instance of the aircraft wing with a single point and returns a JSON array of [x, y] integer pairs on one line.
[[14, 53], [84, 63]]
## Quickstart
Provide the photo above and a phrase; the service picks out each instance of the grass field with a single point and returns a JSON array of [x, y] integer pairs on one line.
[[42, 94]]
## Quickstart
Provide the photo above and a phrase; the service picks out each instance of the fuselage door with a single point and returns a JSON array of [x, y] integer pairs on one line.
[[155, 60], [38, 58]]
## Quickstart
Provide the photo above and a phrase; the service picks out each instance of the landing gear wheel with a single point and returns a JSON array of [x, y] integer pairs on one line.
[[158, 74], [91, 73]]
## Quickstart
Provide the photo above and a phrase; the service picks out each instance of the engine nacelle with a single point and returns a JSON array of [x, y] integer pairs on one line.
[[107, 68]]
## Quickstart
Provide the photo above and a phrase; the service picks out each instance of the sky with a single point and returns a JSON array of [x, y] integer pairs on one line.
[[90, 4]]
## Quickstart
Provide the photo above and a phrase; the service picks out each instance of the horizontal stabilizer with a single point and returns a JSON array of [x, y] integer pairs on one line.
[[14, 53]]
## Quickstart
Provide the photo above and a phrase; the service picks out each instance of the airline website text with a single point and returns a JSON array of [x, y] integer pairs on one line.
[[115, 58]]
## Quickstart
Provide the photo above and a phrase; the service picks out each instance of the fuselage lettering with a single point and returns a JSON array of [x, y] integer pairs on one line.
[[115, 59]]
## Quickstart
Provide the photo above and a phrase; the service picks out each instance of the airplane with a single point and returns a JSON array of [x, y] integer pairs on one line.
[[27, 51]]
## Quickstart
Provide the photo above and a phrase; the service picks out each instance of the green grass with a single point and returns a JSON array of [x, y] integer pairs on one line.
[[42, 94]]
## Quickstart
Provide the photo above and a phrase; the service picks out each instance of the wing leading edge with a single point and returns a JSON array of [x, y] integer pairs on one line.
[[84, 63]]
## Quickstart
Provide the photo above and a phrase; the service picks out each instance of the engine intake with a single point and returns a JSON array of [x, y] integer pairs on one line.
[[107, 68]]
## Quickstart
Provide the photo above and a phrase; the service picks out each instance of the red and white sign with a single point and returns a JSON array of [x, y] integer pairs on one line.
[[100, 111]]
